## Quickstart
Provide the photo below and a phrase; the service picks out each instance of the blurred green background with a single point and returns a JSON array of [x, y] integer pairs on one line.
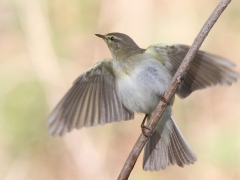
[[45, 45]]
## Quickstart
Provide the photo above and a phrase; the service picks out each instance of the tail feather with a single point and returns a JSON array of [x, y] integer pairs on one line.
[[155, 154], [160, 153], [184, 150]]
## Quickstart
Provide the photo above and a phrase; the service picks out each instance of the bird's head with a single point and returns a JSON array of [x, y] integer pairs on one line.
[[117, 42]]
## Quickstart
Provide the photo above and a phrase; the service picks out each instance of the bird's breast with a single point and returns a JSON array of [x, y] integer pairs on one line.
[[141, 85]]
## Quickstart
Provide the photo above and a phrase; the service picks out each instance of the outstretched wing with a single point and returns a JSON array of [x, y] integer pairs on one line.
[[92, 100], [205, 70]]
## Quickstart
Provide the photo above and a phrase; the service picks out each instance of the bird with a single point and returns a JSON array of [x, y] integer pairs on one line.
[[133, 81]]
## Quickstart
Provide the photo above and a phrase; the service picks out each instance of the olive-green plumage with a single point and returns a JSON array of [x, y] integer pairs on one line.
[[134, 81]]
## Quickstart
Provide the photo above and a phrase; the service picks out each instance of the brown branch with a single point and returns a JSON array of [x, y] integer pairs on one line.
[[132, 158]]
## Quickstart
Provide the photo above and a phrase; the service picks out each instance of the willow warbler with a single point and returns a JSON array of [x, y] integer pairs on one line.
[[134, 80]]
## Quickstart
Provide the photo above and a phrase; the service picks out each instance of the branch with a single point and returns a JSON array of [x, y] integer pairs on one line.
[[132, 158]]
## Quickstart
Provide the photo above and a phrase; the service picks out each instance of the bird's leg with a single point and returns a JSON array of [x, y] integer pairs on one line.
[[145, 129]]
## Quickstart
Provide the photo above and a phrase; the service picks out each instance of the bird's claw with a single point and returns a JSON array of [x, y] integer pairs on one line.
[[164, 100]]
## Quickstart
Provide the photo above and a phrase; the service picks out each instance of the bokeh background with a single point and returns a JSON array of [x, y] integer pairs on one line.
[[45, 45]]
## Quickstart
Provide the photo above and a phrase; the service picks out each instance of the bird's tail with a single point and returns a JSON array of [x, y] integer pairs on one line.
[[166, 149]]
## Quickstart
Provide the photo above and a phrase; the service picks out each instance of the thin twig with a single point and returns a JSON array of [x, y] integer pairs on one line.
[[132, 158]]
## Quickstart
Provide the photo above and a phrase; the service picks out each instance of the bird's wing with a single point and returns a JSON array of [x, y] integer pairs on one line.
[[205, 70], [92, 100]]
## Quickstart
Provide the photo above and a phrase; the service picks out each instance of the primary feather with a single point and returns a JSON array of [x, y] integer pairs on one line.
[[205, 70], [92, 100]]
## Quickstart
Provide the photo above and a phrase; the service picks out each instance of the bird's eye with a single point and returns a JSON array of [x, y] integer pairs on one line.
[[112, 38]]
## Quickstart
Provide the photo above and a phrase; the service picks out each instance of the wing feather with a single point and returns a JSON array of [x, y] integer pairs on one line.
[[92, 100], [205, 70]]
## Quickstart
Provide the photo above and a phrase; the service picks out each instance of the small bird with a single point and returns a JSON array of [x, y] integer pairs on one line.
[[135, 80]]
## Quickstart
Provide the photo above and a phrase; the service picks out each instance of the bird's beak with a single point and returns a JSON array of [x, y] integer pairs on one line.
[[101, 36]]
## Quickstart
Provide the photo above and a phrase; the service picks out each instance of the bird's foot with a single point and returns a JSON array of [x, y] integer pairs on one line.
[[164, 100], [145, 130]]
